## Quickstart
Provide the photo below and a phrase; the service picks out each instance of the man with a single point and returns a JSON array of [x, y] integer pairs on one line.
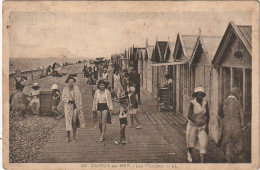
[[134, 80]]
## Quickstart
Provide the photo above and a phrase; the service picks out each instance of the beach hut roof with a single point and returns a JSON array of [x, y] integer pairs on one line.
[[242, 32], [149, 52], [162, 46], [171, 46], [142, 53], [187, 43], [209, 45]]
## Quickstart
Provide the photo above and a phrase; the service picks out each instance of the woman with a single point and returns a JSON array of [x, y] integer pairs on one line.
[[197, 128], [167, 81], [71, 98], [232, 140], [35, 102], [102, 104], [117, 83]]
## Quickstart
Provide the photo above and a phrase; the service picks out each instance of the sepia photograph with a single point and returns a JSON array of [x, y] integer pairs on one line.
[[130, 85]]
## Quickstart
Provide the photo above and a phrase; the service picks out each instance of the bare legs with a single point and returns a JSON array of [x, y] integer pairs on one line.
[[202, 156], [102, 118], [68, 136], [134, 116], [74, 124], [122, 132]]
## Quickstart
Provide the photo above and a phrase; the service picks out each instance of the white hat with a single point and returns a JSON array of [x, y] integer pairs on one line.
[[199, 89], [54, 87], [36, 85], [132, 89]]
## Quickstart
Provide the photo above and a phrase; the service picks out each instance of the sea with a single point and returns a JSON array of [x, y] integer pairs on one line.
[[27, 64]]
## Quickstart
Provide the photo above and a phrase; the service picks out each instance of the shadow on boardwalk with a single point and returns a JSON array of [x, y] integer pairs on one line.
[[162, 139]]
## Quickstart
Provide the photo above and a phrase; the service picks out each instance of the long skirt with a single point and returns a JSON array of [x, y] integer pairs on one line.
[[232, 142], [69, 112]]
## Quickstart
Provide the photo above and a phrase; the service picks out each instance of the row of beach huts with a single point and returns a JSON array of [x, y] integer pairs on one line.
[[215, 63]]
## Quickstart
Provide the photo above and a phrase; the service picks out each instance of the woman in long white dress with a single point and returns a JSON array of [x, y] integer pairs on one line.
[[71, 98], [117, 83]]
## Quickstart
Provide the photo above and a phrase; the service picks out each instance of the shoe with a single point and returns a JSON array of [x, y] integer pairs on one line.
[[124, 142], [74, 141], [101, 139], [130, 126], [67, 140], [117, 142], [189, 157], [139, 127]]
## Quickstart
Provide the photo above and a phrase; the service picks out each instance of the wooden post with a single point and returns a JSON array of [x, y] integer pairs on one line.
[[231, 77], [220, 86], [244, 88]]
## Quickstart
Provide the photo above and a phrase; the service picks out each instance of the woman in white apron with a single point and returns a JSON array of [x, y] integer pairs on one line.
[[197, 128], [117, 84]]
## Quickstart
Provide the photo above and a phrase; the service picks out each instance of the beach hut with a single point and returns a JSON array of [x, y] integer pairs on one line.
[[141, 53], [204, 75], [134, 58], [148, 57], [124, 60], [184, 47], [233, 61], [161, 50]]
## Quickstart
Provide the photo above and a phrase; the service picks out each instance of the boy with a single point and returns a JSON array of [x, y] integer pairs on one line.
[[133, 108], [123, 120]]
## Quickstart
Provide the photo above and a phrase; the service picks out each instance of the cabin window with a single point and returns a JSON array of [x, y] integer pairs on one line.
[[241, 78], [226, 81], [237, 80]]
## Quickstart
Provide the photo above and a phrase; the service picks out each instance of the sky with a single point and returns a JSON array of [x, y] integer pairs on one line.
[[99, 34]]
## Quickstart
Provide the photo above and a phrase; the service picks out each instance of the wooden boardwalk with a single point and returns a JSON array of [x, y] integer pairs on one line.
[[162, 139]]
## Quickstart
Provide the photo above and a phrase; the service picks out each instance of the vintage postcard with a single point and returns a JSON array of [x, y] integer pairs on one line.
[[130, 85]]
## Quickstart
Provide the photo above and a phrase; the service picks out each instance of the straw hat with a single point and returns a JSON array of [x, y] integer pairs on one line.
[[54, 87]]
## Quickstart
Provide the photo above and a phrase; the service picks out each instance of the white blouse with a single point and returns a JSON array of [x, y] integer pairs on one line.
[[102, 98]]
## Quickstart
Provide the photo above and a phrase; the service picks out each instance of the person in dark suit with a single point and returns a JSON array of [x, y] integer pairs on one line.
[[134, 80]]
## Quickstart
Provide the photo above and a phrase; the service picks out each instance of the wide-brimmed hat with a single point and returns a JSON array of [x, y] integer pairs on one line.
[[199, 89], [54, 87], [70, 77], [35, 85]]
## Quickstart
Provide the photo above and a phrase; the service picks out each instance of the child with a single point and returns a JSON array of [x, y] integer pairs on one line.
[[133, 108], [55, 99], [123, 120]]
